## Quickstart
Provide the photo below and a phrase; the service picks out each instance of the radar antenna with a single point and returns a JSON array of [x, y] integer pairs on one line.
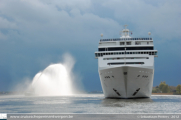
[[125, 32], [125, 26]]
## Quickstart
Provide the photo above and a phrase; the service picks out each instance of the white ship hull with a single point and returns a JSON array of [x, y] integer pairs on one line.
[[126, 82], [126, 66]]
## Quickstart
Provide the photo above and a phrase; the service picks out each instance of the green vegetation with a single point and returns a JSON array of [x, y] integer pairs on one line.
[[178, 89], [156, 90], [162, 88]]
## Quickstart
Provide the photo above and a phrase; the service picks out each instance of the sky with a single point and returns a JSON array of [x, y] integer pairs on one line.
[[37, 33]]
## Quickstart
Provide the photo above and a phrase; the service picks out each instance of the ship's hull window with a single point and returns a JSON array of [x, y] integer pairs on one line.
[[123, 48], [121, 63], [126, 58], [128, 43], [121, 43], [101, 54]]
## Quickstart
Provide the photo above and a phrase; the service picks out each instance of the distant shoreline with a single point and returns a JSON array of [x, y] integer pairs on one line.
[[165, 94]]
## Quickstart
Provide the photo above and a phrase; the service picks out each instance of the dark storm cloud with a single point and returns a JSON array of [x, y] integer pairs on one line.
[[35, 33]]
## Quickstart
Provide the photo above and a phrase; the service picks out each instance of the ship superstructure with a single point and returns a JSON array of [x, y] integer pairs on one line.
[[126, 66]]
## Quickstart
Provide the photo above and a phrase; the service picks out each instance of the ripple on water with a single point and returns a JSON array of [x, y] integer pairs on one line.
[[89, 103]]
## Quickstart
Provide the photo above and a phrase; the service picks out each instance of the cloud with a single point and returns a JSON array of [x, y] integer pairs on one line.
[[52, 21], [45, 20], [160, 18], [33, 33], [2, 36], [6, 24]]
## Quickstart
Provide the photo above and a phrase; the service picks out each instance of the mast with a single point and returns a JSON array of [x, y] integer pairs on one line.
[[125, 32]]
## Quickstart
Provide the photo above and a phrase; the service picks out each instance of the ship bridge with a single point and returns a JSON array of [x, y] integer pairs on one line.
[[126, 45]]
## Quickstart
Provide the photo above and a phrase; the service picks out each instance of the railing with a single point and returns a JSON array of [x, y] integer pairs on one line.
[[119, 39]]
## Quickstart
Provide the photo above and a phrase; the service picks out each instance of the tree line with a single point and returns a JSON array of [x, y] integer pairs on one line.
[[164, 88]]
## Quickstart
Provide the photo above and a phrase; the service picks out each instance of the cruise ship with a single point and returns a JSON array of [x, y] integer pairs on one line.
[[126, 65]]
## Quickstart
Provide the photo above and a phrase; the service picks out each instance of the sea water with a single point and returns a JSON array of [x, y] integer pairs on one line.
[[89, 103]]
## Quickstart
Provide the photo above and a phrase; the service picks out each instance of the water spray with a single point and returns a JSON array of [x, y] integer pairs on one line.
[[56, 79]]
